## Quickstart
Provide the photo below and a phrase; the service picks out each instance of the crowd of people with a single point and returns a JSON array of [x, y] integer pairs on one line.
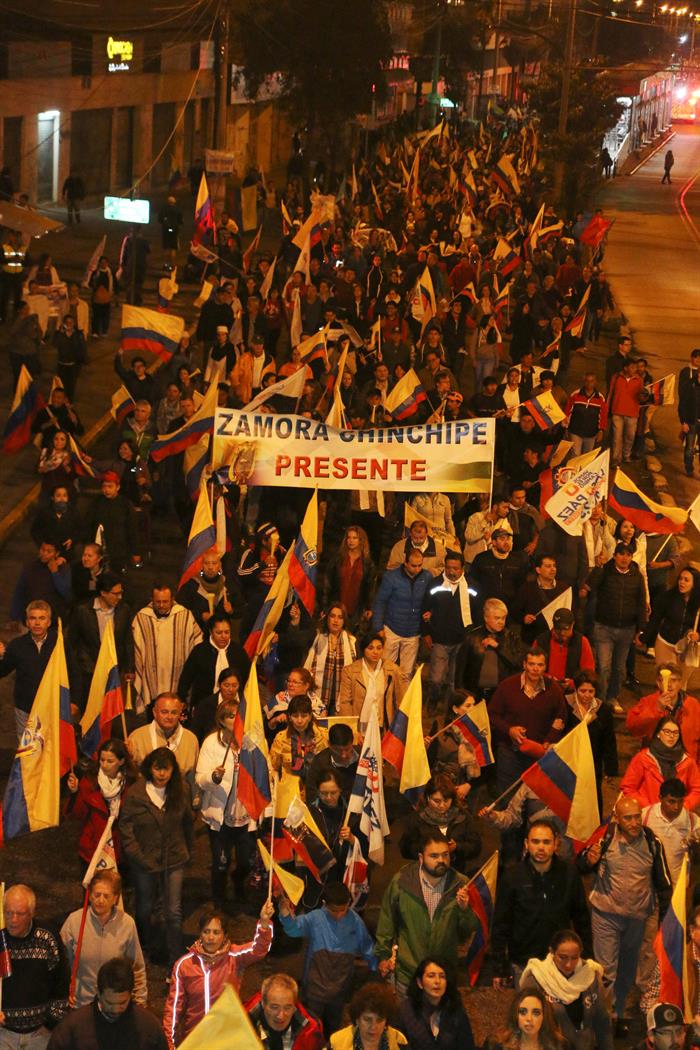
[[458, 584]]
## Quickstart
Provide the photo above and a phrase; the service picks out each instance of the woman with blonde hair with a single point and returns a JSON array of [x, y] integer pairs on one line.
[[350, 576]]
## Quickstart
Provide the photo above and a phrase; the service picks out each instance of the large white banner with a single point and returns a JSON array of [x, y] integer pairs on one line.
[[573, 503], [264, 449]]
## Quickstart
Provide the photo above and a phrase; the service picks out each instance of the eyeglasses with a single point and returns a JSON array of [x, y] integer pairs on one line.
[[669, 732]]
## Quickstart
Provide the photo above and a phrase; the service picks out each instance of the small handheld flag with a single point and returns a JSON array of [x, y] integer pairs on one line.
[[254, 773], [226, 1025], [482, 900], [630, 502], [367, 795], [671, 948], [663, 391], [105, 701], [152, 330], [403, 401], [403, 744], [307, 841], [26, 403], [291, 885], [544, 410], [564, 778], [303, 564], [475, 727], [202, 537]]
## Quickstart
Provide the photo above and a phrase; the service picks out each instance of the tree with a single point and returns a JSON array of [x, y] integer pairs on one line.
[[329, 55], [593, 111]]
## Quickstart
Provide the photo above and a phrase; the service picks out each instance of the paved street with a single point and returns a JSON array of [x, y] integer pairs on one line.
[[653, 264]]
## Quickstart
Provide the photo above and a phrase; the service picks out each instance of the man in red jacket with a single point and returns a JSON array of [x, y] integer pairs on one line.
[[625, 398], [279, 1018], [669, 699]]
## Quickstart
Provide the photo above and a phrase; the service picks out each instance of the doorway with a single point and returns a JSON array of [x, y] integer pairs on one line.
[[47, 156]]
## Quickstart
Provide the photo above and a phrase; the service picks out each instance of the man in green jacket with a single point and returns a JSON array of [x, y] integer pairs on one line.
[[425, 912]]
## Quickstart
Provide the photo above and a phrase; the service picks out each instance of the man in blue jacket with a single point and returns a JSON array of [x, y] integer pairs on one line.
[[398, 608]]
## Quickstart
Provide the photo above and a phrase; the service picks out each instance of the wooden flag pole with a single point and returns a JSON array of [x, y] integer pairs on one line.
[[273, 800], [78, 947], [429, 739]]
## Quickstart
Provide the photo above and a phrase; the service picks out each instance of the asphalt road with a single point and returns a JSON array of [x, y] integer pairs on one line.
[[653, 264]]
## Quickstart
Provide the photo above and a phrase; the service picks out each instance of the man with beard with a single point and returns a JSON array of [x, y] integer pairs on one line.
[[425, 911]]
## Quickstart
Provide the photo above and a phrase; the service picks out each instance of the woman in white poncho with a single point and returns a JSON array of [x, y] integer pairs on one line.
[[574, 988]]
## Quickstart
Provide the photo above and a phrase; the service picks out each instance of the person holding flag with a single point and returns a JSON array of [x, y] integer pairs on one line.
[[98, 794], [210, 965], [230, 825], [623, 897], [440, 808], [336, 936], [425, 909]]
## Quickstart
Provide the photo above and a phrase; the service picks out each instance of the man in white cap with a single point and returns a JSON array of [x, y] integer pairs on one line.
[[665, 1028]]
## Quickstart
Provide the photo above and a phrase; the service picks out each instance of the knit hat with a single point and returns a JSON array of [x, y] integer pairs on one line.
[[266, 529]]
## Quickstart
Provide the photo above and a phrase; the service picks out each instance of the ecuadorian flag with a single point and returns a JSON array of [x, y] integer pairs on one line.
[[631, 503], [564, 778], [475, 727], [671, 948], [544, 410], [46, 752], [406, 396], [202, 537], [258, 641], [25, 405], [482, 900], [403, 744], [151, 330], [122, 405], [105, 701], [253, 772], [202, 422], [303, 565]]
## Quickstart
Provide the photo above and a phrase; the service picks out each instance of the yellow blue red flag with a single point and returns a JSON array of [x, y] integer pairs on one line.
[[564, 778], [46, 752], [671, 948], [482, 900], [105, 701], [254, 770], [403, 745], [631, 503], [303, 564], [202, 537]]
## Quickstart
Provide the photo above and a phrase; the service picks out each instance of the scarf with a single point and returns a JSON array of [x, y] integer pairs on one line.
[[156, 795], [221, 661], [212, 590], [555, 985], [579, 711], [318, 654], [667, 757], [300, 746], [374, 694], [463, 588], [111, 789], [357, 1040], [172, 742]]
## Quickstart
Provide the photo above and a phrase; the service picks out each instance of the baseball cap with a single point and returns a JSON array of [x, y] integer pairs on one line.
[[500, 532], [664, 1015], [257, 338], [111, 475], [563, 618], [222, 328]]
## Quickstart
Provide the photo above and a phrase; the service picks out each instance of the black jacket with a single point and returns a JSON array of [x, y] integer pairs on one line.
[[531, 907], [445, 625], [455, 1029], [569, 553], [510, 654], [57, 528], [121, 534], [197, 677], [29, 664], [155, 839], [493, 577], [622, 599], [689, 395], [87, 1029], [671, 616], [459, 826], [84, 637]]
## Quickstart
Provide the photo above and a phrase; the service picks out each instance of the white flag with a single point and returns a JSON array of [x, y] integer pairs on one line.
[[367, 795], [562, 602], [573, 502], [267, 281], [694, 512], [290, 386], [94, 262]]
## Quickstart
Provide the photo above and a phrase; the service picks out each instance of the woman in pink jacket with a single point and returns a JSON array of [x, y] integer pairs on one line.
[[662, 760], [199, 977]]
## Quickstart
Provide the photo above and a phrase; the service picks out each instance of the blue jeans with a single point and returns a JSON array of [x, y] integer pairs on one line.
[[441, 672], [146, 885], [689, 448], [611, 645], [617, 940]]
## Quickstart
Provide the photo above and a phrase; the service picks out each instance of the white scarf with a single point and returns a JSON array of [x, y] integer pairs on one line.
[[221, 661], [374, 694], [555, 985], [463, 587], [156, 795], [111, 788], [318, 654], [172, 742]]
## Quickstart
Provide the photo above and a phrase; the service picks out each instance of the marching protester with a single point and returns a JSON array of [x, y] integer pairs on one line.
[[384, 610]]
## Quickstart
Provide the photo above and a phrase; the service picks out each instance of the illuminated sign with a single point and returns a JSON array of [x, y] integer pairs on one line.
[[121, 209], [120, 54]]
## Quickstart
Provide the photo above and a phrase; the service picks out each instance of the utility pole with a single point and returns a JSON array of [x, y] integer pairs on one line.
[[221, 77], [496, 45], [434, 98], [565, 86]]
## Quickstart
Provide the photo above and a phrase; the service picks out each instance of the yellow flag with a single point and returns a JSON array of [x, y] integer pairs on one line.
[[226, 1025], [292, 885]]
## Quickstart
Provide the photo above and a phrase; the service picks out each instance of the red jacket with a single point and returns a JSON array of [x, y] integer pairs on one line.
[[88, 805], [197, 982], [307, 1031], [644, 778], [642, 718], [625, 395]]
